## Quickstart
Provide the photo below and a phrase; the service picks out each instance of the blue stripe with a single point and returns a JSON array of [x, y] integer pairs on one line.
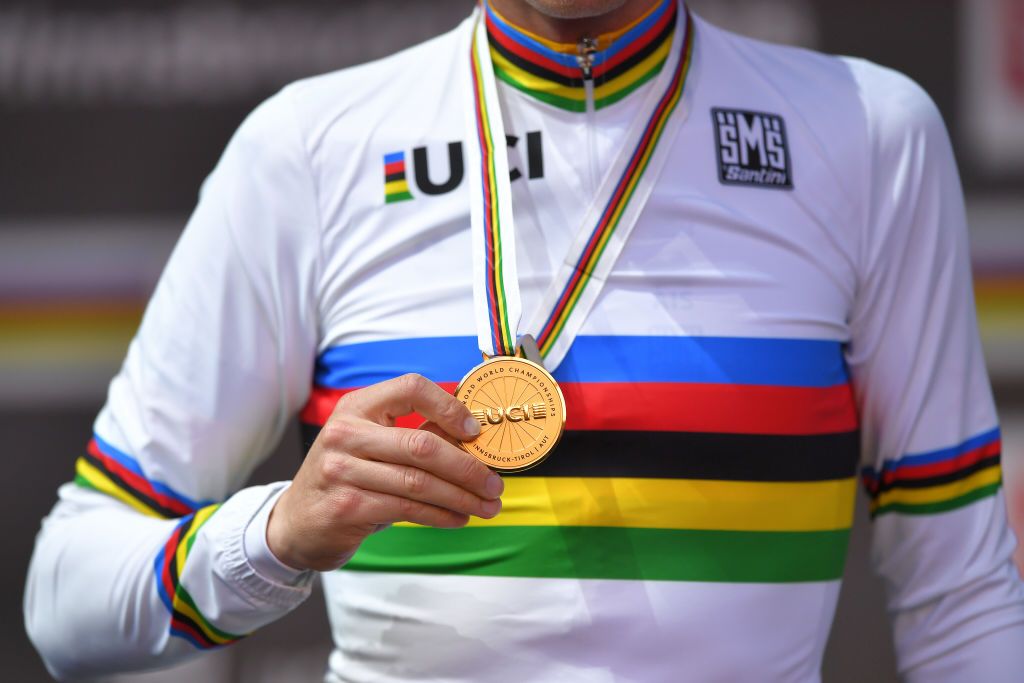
[[631, 35], [570, 59], [528, 42], [717, 360], [393, 157], [158, 569], [929, 457], [132, 464]]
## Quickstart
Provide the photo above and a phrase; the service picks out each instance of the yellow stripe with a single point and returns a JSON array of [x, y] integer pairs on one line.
[[183, 607], [937, 494], [533, 82], [180, 557], [577, 94], [396, 187], [675, 504], [627, 79], [103, 483], [485, 125]]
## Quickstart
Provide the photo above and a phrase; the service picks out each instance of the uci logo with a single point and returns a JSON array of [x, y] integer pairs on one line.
[[430, 181], [514, 413]]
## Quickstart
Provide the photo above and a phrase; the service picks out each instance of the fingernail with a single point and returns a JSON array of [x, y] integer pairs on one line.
[[491, 507], [494, 485], [471, 426]]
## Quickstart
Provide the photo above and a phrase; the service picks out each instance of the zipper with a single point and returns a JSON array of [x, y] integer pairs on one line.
[[586, 50]]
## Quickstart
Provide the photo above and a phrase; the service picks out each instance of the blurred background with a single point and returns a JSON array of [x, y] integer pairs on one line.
[[112, 112]]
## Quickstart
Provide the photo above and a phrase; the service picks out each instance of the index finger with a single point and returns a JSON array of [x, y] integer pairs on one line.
[[383, 402]]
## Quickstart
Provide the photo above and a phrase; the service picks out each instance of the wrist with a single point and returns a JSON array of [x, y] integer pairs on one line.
[[270, 560]]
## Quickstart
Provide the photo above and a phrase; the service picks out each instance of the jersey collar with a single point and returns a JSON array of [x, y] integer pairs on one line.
[[554, 73]]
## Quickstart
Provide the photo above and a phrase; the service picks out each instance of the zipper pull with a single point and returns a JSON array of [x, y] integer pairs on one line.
[[586, 49]]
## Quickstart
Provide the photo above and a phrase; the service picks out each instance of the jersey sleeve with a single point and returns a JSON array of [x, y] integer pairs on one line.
[[144, 560], [930, 434]]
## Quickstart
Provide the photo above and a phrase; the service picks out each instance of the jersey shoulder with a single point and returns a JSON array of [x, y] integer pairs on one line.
[[392, 87], [857, 93]]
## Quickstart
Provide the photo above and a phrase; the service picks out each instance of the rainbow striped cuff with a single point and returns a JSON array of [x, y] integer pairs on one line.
[[936, 481], [105, 469], [108, 470], [186, 620]]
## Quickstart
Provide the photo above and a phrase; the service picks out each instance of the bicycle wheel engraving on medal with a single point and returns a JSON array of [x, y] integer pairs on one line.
[[520, 409]]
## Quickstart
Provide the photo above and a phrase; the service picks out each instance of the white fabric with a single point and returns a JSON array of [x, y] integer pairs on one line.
[[292, 251]]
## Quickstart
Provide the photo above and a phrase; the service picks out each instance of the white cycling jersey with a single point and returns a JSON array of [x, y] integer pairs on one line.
[[792, 309]]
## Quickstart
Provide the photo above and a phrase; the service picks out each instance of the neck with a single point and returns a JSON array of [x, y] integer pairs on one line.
[[561, 29]]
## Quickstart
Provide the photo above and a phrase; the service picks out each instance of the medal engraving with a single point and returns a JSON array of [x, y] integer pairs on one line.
[[520, 409]]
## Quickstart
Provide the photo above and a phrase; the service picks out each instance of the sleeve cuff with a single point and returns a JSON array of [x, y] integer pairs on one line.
[[240, 556], [258, 553]]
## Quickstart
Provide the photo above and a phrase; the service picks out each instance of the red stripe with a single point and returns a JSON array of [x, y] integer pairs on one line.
[[675, 407], [170, 549], [962, 461], [140, 484], [512, 45], [394, 167], [322, 399], [526, 53], [637, 44]]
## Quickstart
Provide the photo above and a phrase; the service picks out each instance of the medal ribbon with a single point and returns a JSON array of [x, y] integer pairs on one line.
[[614, 213], [491, 211]]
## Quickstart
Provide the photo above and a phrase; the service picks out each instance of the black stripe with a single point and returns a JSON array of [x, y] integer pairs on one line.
[[129, 489], [197, 628], [641, 55], [948, 478], [537, 69], [172, 565], [619, 69], [394, 176], [692, 455]]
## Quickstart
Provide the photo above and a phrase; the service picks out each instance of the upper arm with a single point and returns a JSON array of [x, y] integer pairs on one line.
[[931, 441], [224, 353]]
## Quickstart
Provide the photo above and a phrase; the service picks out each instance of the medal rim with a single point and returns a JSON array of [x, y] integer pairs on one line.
[[561, 426]]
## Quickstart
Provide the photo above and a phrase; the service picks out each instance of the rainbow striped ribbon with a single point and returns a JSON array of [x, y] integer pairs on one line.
[[614, 213]]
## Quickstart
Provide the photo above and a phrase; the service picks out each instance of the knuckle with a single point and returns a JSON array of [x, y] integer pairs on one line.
[[344, 403], [470, 471], [413, 383], [348, 505], [334, 468], [452, 411], [415, 481], [421, 445], [336, 433], [407, 508]]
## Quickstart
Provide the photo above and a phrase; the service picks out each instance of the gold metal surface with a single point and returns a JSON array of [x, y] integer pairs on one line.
[[520, 409]]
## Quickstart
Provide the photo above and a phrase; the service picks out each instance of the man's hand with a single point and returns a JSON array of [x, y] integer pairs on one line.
[[363, 473]]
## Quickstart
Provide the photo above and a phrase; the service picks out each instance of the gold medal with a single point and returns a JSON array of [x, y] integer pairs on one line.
[[520, 409]]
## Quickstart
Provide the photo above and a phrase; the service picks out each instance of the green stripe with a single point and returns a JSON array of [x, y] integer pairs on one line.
[[400, 197], [607, 553], [554, 100], [577, 105], [204, 622], [940, 506], [84, 483], [619, 94]]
